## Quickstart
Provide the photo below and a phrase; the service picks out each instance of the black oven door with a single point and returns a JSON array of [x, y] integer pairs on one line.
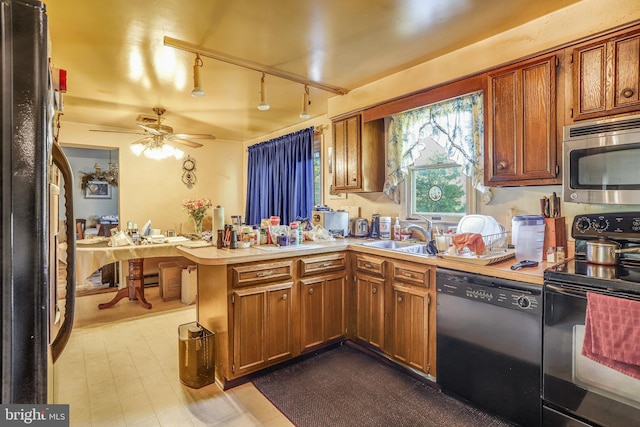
[[572, 384]]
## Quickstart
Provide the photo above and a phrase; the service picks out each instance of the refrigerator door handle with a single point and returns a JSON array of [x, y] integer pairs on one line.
[[61, 339]]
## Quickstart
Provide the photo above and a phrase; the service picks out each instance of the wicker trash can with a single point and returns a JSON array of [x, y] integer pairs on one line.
[[196, 355]]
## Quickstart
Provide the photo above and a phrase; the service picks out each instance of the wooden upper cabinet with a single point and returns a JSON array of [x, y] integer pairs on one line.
[[607, 76], [358, 150], [522, 144]]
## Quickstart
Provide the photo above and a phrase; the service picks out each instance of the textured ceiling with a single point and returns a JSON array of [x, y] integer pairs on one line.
[[118, 66]]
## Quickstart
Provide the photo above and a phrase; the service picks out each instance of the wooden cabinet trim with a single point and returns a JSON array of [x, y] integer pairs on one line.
[[321, 264], [370, 265], [258, 273]]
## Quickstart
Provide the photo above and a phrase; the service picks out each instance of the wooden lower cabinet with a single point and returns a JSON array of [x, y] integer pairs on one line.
[[322, 310], [370, 310], [411, 330], [262, 318], [410, 326]]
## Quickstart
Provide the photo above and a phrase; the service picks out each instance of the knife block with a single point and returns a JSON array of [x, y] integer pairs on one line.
[[555, 233]]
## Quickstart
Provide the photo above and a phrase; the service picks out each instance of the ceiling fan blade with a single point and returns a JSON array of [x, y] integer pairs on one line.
[[150, 129], [117, 131], [186, 142], [143, 140], [194, 136]]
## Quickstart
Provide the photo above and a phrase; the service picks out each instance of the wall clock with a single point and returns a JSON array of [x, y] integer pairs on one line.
[[188, 175]]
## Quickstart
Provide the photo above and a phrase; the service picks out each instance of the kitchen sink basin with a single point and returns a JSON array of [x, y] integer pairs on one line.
[[407, 247], [389, 244]]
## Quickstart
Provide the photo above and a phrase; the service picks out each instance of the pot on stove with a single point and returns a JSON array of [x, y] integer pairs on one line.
[[606, 252]]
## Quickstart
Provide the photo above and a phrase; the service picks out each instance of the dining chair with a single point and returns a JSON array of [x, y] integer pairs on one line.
[[81, 225]]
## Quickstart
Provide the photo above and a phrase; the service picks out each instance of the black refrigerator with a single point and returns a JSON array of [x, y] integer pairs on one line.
[[36, 323]]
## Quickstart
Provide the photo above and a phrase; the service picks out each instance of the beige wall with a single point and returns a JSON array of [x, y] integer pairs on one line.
[[572, 23], [153, 189]]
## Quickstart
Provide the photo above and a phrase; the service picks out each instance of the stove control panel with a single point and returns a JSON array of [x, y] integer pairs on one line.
[[624, 225]]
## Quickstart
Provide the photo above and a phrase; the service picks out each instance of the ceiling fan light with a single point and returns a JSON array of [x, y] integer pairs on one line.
[[305, 104], [137, 148], [197, 85], [264, 105], [178, 154]]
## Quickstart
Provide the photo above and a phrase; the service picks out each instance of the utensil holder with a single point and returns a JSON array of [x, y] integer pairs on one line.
[[555, 233]]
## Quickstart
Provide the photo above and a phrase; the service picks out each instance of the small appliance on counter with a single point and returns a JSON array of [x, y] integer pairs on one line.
[[336, 222], [358, 227]]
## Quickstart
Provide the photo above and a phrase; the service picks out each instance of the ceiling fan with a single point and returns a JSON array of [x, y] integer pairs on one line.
[[155, 143]]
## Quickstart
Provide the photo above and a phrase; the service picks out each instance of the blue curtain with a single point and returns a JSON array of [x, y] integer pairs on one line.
[[280, 178]]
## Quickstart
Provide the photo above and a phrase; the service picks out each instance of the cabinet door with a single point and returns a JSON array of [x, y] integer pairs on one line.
[[322, 310], [370, 310], [262, 326], [410, 325], [334, 307], [522, 142], [626, 73], [607, 76], [311, 303], [346, 149]]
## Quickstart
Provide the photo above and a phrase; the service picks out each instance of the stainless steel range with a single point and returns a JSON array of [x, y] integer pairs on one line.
[[587, 377]]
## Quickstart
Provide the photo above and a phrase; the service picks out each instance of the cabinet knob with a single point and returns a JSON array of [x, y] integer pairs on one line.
[[367, 265], [408, 274], [310, 291], [285, 297], [374, 290], [627, 93], [354, 179], [399, 299], [502, 165], [326, 264]]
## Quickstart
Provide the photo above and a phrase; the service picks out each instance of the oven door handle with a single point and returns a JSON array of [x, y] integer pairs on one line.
[[581, 292], [566, 290]]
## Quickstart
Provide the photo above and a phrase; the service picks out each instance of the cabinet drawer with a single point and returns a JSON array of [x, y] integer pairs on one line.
[[370, 265], [415, 274], [252, 274], [322, 264]]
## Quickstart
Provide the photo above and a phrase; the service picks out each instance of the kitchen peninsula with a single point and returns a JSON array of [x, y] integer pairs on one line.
[[319, 293]]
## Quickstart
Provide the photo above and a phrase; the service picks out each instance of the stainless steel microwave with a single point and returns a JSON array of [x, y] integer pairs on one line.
[[601, 161]]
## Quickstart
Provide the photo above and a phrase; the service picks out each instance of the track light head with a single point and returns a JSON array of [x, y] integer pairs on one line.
[[264, 105], [305, 104], [197, 86]]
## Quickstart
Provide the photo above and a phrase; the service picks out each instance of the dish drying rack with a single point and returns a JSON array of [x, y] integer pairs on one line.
[[496, 250]]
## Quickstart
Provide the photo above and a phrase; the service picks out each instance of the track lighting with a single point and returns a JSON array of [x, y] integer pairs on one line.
[[197, 86], [264, 105], [305, 104]]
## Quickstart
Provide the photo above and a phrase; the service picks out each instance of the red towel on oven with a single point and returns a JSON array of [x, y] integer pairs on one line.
[[612, 333], [473, 241]]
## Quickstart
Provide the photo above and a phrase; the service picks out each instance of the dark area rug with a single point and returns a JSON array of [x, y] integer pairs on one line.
[[345, 387]]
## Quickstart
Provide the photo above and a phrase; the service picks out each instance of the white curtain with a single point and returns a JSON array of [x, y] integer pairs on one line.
[[456, 124]]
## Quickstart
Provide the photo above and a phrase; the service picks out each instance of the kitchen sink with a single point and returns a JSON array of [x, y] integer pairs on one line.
[[389, 244], [408, 247]]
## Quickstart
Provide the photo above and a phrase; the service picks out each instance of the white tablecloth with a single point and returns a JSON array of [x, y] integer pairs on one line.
[[90, 257]]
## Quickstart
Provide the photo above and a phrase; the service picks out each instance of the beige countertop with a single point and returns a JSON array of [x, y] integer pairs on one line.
[[210, 255]]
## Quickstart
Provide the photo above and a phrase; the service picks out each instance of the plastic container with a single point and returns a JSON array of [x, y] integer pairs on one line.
[[527, 234], [196, 360], [385, 227]]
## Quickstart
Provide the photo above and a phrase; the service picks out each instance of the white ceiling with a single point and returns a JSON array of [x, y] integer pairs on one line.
[[118, 66]]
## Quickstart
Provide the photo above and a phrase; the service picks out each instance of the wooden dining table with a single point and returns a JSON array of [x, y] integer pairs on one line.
[[94, 253]]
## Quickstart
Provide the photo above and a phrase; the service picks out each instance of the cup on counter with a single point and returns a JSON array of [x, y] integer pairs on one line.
[[443, 241], [178, 228]]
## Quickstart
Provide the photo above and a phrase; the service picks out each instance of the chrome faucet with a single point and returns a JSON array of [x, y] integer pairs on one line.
[[426, 232]]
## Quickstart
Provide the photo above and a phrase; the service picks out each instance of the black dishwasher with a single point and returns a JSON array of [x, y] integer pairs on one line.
[[489, 343]]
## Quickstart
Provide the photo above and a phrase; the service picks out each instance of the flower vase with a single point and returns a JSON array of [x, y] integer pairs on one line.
[[198, 226]]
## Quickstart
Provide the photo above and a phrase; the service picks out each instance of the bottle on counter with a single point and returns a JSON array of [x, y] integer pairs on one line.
[[294, 234], [397, 229], [560, 255]]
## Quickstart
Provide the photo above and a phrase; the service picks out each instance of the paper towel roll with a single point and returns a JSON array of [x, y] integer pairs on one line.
[[218, 219]]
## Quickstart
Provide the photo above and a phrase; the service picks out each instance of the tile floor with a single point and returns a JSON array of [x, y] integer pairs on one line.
[[120, 368]]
